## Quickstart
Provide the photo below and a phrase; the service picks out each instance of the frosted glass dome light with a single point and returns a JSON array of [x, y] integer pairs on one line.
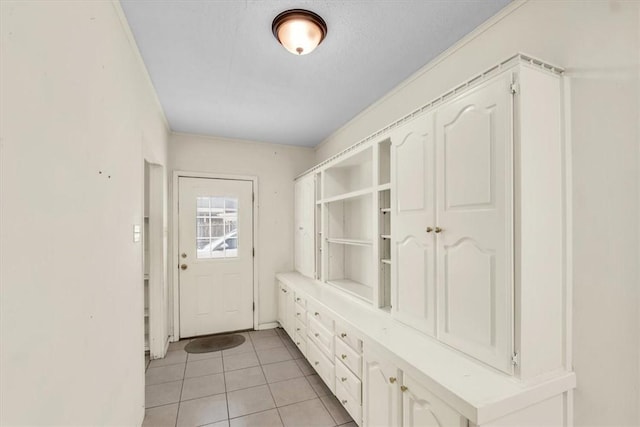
[[299, 31]]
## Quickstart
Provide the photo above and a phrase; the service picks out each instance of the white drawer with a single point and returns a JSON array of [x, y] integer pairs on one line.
[[300, 314], [320, 314], [353, 407], [300, 300], [321, 336], [323, 366], [349, 381], [301, 343], [300, 328], [348, 336], [349, 357]]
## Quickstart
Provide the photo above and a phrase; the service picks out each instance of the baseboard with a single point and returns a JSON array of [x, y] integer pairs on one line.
[[269, 325]]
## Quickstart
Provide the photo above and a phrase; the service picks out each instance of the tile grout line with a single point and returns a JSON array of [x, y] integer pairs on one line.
[[181, 390]]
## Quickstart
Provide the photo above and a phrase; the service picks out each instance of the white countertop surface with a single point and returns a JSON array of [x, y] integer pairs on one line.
[[475, 390]]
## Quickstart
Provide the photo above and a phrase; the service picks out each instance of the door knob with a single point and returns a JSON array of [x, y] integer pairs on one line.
[[438, 230], [184, 255], [392, 380], [183, 267]]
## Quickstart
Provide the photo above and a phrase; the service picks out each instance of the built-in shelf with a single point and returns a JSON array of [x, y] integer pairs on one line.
[[350, 195], [385, 210], [384, 187], [355, 242], [146, 277], [385, 236], [355, 288], [386, 261]]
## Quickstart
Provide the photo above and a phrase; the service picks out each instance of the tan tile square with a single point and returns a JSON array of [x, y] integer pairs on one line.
[[207, 385], [171, 358], [273, 355], [269, 418], [318, 385], [267, 343], [206, 410], [335, 408], [240, 361], [292, 391], [203, 367], [244, 378], [162, 394], [311, 413], [164, 374], [281, 371], [161, 416], [194, 357], [249, 400]]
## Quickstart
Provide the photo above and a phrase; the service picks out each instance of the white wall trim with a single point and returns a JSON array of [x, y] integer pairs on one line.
[[175, 283], [507, 10], [138, 57], [242, 141]]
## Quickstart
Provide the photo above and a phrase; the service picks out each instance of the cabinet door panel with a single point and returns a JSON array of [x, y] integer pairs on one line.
[[381, 395], [412, 210], [475, 212], [420, 408], [304, 222]]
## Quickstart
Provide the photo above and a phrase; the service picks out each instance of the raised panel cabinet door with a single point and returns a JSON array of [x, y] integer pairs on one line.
[[304, 222], [420, 408], [475, 222], [413, 220], [290, 308], [381, 400], [282, 305]]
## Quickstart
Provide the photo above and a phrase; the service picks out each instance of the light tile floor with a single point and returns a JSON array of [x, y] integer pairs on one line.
[[264, 382]]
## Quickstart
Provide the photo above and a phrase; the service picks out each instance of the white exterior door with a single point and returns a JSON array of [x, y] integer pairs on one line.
[[215, 255], [413, 220], [475, 213]]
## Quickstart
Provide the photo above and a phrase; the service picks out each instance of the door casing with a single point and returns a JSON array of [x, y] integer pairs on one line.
[[175, 262]]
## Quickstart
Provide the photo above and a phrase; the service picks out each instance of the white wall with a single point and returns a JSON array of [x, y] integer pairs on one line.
[[598, 42], [76, 100], [275, 166]]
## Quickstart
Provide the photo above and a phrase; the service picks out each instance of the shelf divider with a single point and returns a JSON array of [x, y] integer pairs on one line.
[[350, 195], [355, 242]]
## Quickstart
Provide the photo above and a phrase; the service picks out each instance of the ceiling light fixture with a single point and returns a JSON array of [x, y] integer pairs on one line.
[[299, 31]]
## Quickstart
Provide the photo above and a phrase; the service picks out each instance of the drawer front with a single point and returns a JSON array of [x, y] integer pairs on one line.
[[349, 337], [320, 314], [322, 337], [301, 343], [349, 357], [353, 407], [349, 381], [300, 314], [300, 328], [300, 300], [323, 366]]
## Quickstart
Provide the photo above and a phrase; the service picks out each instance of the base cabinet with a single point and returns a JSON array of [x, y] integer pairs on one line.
[[381, 403], [421, 408]]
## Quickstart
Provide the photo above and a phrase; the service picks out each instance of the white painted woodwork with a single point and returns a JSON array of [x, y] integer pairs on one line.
[[353, 407], [474, 179], [421, 408], [381, 400], [304, 225], [216, 294], [322, 364], [412, 211], [348, 380]]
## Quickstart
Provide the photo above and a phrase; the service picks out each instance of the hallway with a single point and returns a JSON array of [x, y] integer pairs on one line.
[[263, 382]]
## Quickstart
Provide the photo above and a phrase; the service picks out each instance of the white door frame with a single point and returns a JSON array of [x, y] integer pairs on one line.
[[175, 335]]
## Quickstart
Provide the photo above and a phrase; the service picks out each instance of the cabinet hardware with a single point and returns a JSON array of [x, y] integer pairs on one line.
[[298, 329], [344, 402], [344, 356], [298, 342], [404, 388], [343, 379], [343, 335], [392, 380], [183, 267], [297, 314], [316, 335], [316, 363], [316, 314], [438, 230], [429, 229], [184, 255], [297, 299], [284, 290]]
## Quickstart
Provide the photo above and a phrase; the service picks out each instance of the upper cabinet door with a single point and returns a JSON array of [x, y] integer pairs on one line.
[[304, 255], [412, 212], [475, 223]]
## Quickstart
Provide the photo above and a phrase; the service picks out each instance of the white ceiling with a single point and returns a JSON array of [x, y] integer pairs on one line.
[[219, 71]]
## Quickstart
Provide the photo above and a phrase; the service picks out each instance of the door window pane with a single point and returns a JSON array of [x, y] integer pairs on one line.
[[217, 227]]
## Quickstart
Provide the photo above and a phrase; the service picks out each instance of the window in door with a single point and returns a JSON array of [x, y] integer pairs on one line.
[[217, 227]]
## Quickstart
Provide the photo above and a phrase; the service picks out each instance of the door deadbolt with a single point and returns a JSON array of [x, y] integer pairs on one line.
[[183, 267]]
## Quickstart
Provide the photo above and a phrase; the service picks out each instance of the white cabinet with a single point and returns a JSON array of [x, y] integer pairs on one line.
[[304, 222], [473, 223], [286, 309], [381, 400], [421, 408]]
